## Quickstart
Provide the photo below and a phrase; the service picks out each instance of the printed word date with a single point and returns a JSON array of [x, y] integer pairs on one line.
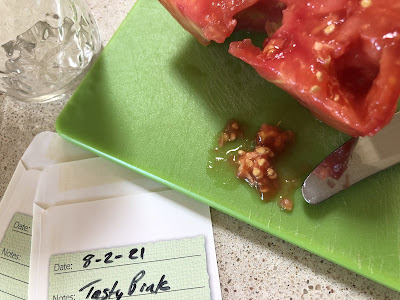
[[109, 257]]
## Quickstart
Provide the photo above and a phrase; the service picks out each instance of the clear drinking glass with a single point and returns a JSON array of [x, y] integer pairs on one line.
[[46, 46]]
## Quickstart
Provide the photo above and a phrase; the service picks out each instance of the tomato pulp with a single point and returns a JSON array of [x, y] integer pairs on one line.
[[341, 59]]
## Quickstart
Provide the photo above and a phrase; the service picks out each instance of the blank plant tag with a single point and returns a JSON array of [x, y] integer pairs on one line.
[[14, 258]]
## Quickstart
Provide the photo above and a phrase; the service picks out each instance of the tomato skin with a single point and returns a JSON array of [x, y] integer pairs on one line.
[[340, 59]]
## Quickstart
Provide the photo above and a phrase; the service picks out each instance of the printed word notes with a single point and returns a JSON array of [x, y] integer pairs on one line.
[[175, 269], [14, 258]]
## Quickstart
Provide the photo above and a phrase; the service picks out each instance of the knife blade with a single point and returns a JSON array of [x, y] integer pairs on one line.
[[353, 161]]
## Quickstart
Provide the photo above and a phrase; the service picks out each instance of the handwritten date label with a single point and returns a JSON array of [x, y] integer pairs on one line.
[[163, 270], [109, 257]]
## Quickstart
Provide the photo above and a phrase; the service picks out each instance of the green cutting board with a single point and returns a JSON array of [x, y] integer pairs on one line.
[[156, 98]]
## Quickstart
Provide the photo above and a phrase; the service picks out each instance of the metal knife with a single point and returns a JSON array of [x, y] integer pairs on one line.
[[353, 161]]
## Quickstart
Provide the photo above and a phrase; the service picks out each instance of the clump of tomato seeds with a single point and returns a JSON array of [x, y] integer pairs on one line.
[[256, 167], [274, 138], [230, 133]]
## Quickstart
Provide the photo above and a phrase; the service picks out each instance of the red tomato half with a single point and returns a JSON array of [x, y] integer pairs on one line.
[[340, 58]]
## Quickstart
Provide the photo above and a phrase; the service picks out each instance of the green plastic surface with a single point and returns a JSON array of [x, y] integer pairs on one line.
[[156, 98]]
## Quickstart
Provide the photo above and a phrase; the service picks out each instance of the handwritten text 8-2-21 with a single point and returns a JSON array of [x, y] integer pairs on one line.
[[109, 257]]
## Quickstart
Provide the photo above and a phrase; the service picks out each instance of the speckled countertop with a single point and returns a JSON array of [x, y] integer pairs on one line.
[[252, 264]]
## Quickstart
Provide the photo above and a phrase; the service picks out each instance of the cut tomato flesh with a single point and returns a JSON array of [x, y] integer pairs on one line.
[[341, 59]]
